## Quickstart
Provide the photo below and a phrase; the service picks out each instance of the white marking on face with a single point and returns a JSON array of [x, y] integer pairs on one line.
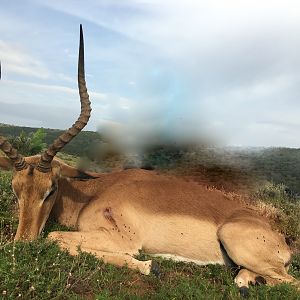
[[47, 194], [42, 226]]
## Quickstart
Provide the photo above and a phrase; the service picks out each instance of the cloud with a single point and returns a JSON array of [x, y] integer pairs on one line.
[[15, 60], [212, 66], [30, 105], [49, 88], [189, 68]]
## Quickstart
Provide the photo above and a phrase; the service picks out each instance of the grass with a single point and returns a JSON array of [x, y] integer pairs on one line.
[[39, 270], [285, 210]]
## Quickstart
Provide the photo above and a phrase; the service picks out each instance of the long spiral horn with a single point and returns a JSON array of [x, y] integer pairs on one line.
[[44, 164], [18, 160]]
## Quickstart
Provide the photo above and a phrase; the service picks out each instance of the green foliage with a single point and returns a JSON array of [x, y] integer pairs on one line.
[[273, 164], [68, 158], [7, 198], [163, 156], [230, 167], [39, 270], [277, 194], [37, 141], [8, 223], [277, 165], [82, 145], [288, 207], [29, 144]]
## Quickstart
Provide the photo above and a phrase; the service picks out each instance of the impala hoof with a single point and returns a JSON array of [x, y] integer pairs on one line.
[[155, 269], [244, 292]]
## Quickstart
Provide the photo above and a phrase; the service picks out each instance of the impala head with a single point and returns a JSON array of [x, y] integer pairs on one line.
[[35, 178]]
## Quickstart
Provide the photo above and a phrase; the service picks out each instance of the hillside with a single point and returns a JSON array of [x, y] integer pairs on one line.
[[81, 145], [232, 168], [227, 168]]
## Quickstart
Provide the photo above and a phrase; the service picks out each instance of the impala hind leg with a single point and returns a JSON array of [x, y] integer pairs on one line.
[[253, 245], [246, 277], [109, 247]]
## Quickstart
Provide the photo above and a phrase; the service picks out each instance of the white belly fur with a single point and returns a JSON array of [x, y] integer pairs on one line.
[[188, 260]]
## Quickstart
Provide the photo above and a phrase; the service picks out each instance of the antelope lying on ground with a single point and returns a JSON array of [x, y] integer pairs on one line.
[[119, 213]]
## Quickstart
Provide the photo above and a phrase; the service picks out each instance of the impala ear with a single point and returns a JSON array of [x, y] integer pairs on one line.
[[74, 173], [5, 163]]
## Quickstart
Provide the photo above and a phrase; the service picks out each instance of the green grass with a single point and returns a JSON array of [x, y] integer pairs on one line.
[[287, 207], [39, 270]]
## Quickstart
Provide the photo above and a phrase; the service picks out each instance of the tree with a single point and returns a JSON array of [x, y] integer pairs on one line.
[[29, 144]]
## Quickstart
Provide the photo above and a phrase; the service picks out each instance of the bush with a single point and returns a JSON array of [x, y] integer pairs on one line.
[[29, 144], [163, 156], [287, 206], [8, 223], [7, 197]]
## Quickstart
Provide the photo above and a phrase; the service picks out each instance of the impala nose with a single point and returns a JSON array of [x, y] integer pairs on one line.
[[26, 233]]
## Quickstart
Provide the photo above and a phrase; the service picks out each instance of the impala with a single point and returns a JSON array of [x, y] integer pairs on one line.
[[117, 214]]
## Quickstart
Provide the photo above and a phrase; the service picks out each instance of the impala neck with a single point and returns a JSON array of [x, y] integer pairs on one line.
[[72, 197]]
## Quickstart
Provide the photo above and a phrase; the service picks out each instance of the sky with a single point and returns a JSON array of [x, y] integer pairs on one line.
[[227, 71]]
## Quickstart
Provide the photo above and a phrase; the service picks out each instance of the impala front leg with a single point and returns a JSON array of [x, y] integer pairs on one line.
[[111, 248]]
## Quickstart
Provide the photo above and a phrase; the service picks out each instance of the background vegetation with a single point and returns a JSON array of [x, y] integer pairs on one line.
[[81, 145], [239, 165], [39, 270]]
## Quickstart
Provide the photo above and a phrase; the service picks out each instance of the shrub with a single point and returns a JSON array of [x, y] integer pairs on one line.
[[288, 209], [7, 197], [8, 223], [29, 144]]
